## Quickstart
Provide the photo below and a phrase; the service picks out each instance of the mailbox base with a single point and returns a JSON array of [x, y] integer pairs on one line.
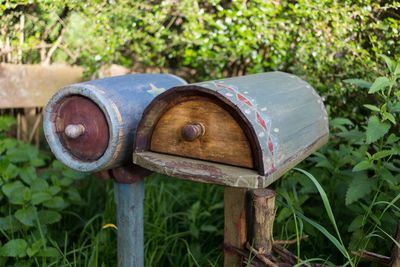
[[129, 201], [249, 217]]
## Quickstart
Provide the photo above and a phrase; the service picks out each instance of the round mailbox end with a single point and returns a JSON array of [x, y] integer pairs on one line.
[[78, 125], [81, 127]]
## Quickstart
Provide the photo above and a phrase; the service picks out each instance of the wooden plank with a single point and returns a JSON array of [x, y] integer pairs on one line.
[[223, 139], [199, 170], [235, 225], [129, 200], [24, 86]]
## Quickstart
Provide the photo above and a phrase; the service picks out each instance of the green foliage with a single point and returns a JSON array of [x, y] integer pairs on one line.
[[183, 223], [360, 168], [32, 199]]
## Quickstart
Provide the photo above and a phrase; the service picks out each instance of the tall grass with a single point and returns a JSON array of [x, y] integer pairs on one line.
[[183, 225]]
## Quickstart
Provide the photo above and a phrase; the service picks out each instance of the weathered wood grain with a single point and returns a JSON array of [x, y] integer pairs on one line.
[[262, 219], [129, 201], [235, 225], [395, 258], [23, 86], [223, 140], [199, 170]]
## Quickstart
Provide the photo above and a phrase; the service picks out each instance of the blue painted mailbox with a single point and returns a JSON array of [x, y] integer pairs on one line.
[[90, 127]]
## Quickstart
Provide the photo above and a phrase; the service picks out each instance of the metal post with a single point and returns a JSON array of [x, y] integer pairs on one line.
[[129, 200]]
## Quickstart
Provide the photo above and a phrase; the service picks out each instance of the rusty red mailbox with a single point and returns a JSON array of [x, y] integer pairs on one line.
[[243, 133], [90, 127]]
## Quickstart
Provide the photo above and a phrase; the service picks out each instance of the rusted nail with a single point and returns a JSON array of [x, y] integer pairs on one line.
[[74, 130], [192, 131]]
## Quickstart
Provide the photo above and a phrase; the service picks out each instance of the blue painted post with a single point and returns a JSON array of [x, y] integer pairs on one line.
[[129, 201]]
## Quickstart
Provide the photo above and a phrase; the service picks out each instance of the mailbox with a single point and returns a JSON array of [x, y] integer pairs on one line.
[[241, 132], [89, 126]]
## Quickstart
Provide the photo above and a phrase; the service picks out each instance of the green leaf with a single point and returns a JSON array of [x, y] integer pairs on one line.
[[359, 187], [341, 121], [372, 107], [21, 196], [48, 216], [8, 189], [49, 252], [35, 248], [6, 122], [209, 228], [14, 248], [336, 241], [26, 216], [27, 174], [392, 139], [397, 69], [385, 153], [39, 185], [389, 63], [358, 82], [18, 155], [363, 165], [40, 197], [376, 129], [73, 195], [389, 116], [379, 84], [9, 223], [357, 223], [54, 190], [55, 203], [394, 107]]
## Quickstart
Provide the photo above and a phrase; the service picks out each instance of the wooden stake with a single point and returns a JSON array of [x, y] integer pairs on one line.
[[235, 229], [395, 259], [129, 200], [263, 215]]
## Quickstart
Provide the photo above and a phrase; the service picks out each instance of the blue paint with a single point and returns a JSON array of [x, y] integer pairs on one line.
[[122, 100], [129, 201]]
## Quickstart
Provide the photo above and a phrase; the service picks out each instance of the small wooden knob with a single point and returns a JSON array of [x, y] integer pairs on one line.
[[192, 131], [74, 130]]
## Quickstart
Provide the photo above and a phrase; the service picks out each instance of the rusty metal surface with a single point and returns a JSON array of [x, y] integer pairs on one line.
[[23, 86], [92, 144], [129, 173]]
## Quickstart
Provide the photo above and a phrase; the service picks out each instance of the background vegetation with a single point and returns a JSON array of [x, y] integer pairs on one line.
[[337, 46]]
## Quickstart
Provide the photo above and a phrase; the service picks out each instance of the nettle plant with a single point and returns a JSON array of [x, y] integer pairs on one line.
[[33, 193], [360, 171], [364, 159]]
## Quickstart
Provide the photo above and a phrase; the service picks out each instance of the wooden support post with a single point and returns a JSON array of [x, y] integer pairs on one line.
[[395, 259], [235, 228], [129, 201], [262, 217]]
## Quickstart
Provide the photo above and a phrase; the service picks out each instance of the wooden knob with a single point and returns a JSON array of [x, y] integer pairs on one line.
[[192, 131], [74, 130]]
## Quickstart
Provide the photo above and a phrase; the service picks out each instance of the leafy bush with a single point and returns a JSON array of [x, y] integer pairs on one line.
[[32, 199], [360, 168]]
